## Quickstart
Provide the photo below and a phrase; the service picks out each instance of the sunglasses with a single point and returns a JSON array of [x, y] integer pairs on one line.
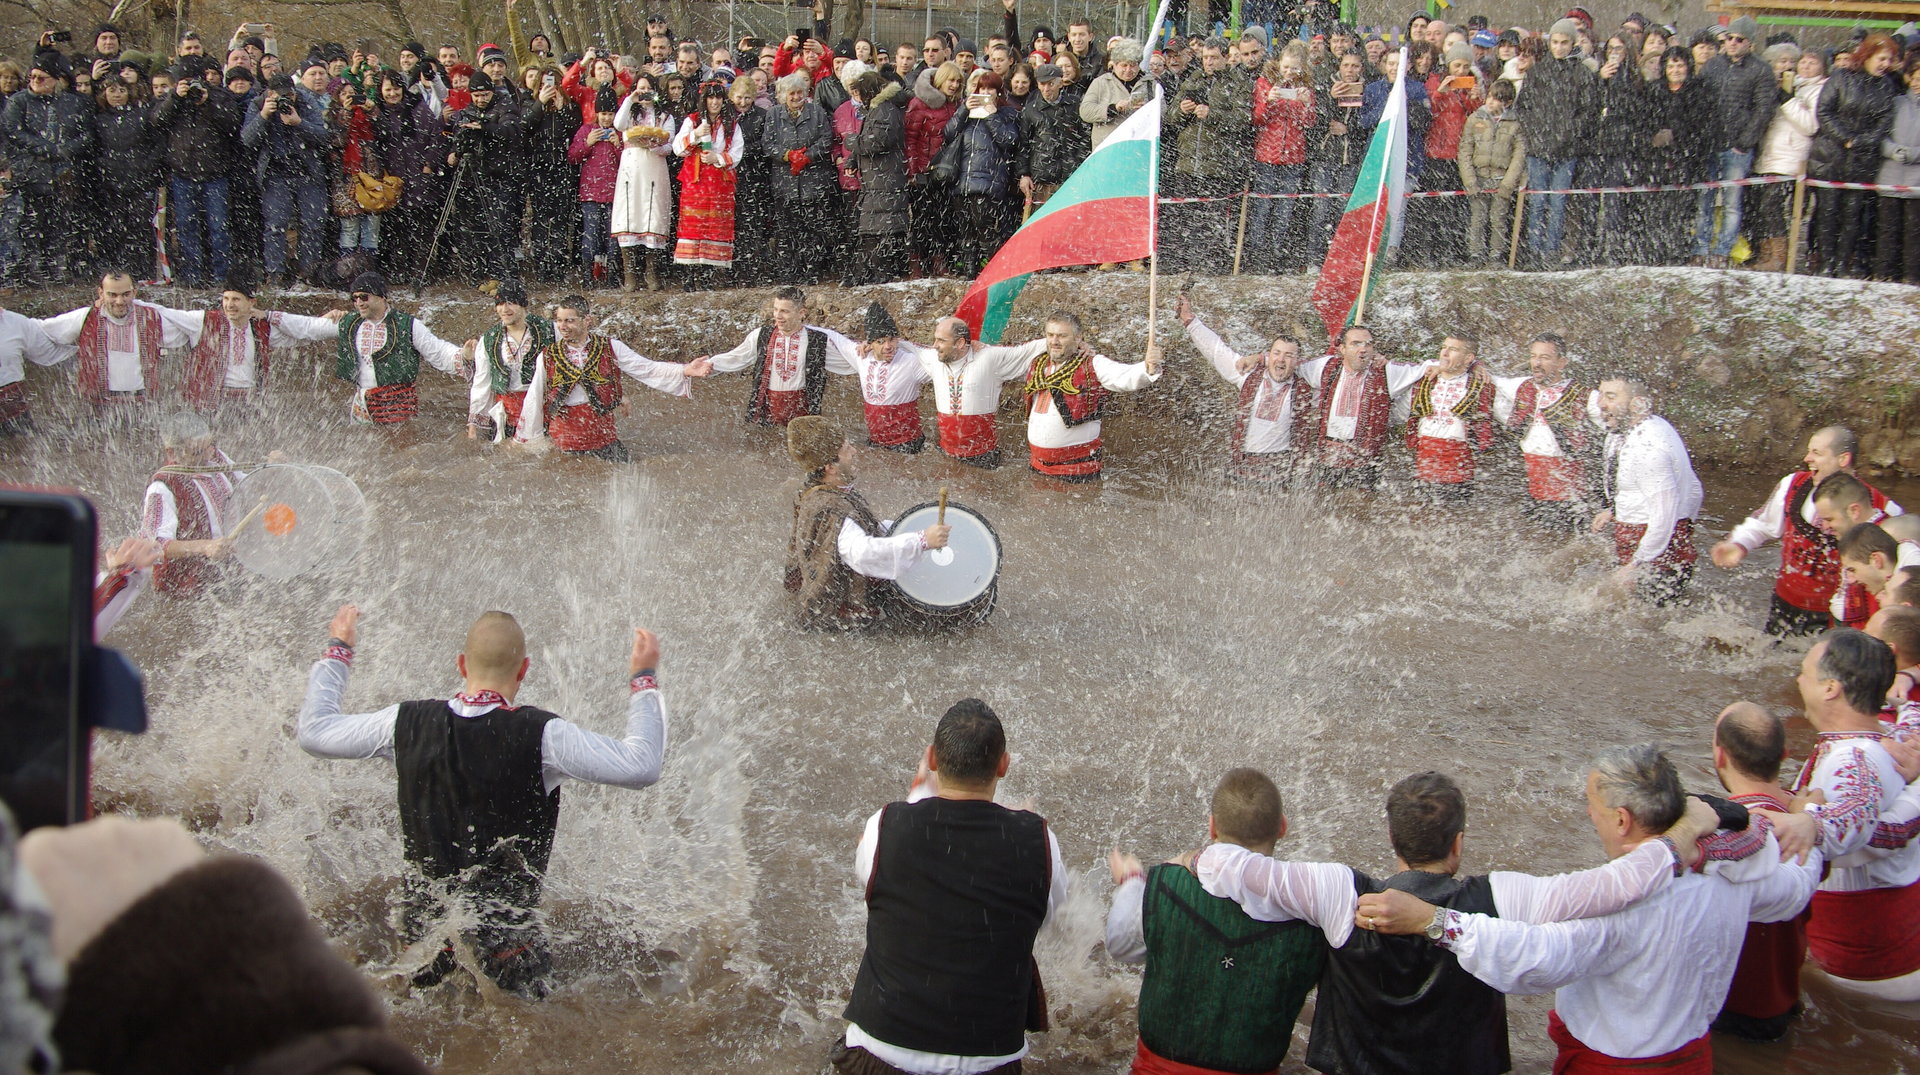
[[1735, 37], [361, 296]]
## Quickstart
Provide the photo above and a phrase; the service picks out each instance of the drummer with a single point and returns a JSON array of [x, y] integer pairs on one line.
[[840, 557], [186, 504]]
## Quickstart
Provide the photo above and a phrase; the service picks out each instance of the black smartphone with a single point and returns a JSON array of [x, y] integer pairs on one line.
[[46, 639]]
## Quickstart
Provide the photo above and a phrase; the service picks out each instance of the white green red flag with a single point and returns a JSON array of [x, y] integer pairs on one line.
[[1107, 210], [1376, 212]]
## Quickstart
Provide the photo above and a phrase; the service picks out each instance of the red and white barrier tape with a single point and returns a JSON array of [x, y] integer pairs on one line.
[[1750, 181]]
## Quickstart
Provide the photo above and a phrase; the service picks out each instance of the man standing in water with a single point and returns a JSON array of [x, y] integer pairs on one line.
[[576, 384], [380, 352], [790, 360], [503, 360], [957, 887], [119, 339], [1651, 490], [966, 378], [1356, 405], [1275, 403], [1067, 391], [480, 784], [1555, 415], [1809, 571]]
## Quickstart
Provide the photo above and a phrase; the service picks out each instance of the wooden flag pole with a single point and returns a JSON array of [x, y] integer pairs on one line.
[[1240, 240], [1519, 214], [1793, 230], [1366, 274]]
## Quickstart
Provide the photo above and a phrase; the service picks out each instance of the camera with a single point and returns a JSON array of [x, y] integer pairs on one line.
[[284, 107], [802, 35], [61, 37]]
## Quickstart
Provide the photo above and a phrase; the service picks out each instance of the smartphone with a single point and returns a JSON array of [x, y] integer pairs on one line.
[[547, 80], [1460, 82], [254, 29], [46, 638]]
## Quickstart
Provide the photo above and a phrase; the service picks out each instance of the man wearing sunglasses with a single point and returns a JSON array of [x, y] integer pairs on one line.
[[1747, 93], [380, 352]]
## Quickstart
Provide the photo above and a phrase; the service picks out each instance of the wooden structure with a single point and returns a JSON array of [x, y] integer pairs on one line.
[[1879, 14]]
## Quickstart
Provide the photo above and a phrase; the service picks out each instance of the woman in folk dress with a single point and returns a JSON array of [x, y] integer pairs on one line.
[[712, 143], [642, 197]]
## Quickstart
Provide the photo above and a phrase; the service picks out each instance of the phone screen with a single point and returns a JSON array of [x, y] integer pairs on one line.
[[46, 626]]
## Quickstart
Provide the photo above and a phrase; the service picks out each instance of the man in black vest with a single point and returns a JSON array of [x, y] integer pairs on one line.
[[790, 360], [956, 887], [1222, 989], [1394, 1004], [480, 784]]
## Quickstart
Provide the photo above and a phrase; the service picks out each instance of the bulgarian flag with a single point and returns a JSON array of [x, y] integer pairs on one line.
[[1375, 214], [1107, 210]]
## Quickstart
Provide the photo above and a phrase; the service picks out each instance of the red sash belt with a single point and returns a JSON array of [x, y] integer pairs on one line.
[[964, 436], [1679, 553], [391, 403], [13, 401], [784, 407], [889, 424], [1076, 461], [1868, 936], [1693, 1058], [581, 428], [1442, 461], [511, 402], [1553, 477], [1147, 1062]]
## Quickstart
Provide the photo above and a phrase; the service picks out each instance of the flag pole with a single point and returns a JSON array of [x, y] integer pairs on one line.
[[1153, 184]]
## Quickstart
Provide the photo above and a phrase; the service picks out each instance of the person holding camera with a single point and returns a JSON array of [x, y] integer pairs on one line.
[[289, 139], [48, 133], [201, 123], [486, 143]]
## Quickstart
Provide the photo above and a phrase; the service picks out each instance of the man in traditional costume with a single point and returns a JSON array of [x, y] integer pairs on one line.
[[1355, 397], [576, 384], [956, 887], [1222, 988], [1809, 574], [479, 782], [119, 339], [230, 350], [22, 340], [1558, 419], [1652, 493], [503, 363], [966, 377], [1637, 988], [1844, 502], [790, 360], [1395, 1004], [1749, 744], [891, 371], [380, 350], [1067, 391], [1450, 421], [185, 505], [841, 555], [1274, 412]]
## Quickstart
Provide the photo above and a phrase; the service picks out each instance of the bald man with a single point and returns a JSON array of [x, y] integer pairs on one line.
[[966, 376], [1749, 744], [480, 786]]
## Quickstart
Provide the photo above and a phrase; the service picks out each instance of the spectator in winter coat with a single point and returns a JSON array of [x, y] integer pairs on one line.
[[288, 138], [1684, 118], [1746, 93], [201, 124], [119, 201], [1284, 109], [987, 130], [407, 134], [1552, 103], [1784, 152], [1439, 224], [931, 201], [1116, 94], [1213, 114], [1856, 109], [1053, 141], [549, 120], [1340, 144], [798, 147], [1617, 147], [752, 192], [1492, 160], [879, 152], [1896, 248]]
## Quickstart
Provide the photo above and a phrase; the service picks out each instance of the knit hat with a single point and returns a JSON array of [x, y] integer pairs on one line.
[[53, 63], [1484, 39], [1570, 27], [606, 99], [851, 70], [417, 49], [880, 323], [1047, 72], [237, 71], [966, 45], [511, 291], [1745, 27], [370, 282], [254, 43], [813, 441], [1581, 15], [1459, 52], [480, 82], [1636, 19], [1257, 33]]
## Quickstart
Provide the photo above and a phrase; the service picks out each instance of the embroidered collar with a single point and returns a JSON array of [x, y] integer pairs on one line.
[[479, 699]]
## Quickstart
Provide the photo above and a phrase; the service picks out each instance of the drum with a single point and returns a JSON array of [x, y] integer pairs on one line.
[[961, 591], [307, 516]]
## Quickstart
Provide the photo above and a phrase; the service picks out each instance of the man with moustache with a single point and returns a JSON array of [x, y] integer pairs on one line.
[[966, 378], [1557, 416], [576, 388], [1450, 421], [1067, 389], [1275, 406], [1651, 492]]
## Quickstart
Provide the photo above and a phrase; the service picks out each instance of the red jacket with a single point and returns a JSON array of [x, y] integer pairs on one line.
[[1280, 127], [1450, 111], [599, 164], [845, 129], [574, 85], [925, 127], [784, 63]]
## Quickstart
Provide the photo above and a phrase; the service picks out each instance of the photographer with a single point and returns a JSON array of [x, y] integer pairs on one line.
[[200, 121], [288, 138], [47, 133], [486, 141]]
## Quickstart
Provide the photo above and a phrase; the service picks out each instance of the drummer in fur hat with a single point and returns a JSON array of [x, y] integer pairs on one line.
[[841, 554]]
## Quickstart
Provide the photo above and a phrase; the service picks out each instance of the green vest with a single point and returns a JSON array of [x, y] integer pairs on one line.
[[539, 334], [394, 363], [1221, 990]]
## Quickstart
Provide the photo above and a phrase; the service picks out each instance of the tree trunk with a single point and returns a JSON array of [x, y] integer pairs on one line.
[[550, 25]]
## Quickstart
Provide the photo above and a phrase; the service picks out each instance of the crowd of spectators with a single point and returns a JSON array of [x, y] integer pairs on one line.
[[758, 162]]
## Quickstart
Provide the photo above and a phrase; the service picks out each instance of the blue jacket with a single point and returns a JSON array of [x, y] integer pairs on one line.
[[986, 150], [283, 149]]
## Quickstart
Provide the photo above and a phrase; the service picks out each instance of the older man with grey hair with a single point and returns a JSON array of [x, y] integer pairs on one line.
[[1636, 989], [1118, 92]]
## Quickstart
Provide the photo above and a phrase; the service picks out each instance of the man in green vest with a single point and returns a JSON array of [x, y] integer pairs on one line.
[[1221, 990], [379, 354]]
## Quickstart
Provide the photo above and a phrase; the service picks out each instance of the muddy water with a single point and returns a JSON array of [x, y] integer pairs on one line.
[[1151, 633]]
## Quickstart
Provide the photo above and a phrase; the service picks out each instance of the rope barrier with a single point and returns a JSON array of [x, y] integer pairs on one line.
[[1665, 188]]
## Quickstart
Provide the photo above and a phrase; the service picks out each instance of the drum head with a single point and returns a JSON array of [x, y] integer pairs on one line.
[[976, 558], [309, 517]]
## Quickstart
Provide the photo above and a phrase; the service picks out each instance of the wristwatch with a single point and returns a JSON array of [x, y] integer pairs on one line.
[[1437, 928]]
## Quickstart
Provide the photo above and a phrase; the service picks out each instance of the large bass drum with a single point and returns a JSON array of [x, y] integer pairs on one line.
[[309, 517], [963, 591]]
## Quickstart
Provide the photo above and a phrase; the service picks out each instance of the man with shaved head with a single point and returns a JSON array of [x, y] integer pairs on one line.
[[1749, 744], [966, 379], [480, 786]]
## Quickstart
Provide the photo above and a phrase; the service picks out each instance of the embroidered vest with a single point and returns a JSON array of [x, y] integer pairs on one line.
[[208, 372], [1299, 403], [1566, 415], [193, 505], [1475, 407], [600, 376], [539, 334], [1078, 396], [1376, 407], [1809, 564], [396, 362], [814, 371], [92, 372]]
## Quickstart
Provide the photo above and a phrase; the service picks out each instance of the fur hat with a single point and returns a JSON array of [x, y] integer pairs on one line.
[[851, 70], [814, 442], [880, 323]]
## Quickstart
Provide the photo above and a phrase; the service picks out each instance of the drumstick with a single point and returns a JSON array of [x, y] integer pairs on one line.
[[251, 516], [941, 519]]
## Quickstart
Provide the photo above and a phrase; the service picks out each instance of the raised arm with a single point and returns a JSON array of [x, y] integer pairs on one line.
[[1215, 351], [668, 377], [322, 729], [635, 759], [740, 357]]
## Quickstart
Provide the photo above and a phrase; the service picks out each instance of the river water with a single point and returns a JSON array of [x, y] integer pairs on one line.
[[1151, 633]]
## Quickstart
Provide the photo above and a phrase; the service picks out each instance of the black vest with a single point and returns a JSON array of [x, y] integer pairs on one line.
[[813, 373], [474, 808], [957, 893], [1399, 1004]]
